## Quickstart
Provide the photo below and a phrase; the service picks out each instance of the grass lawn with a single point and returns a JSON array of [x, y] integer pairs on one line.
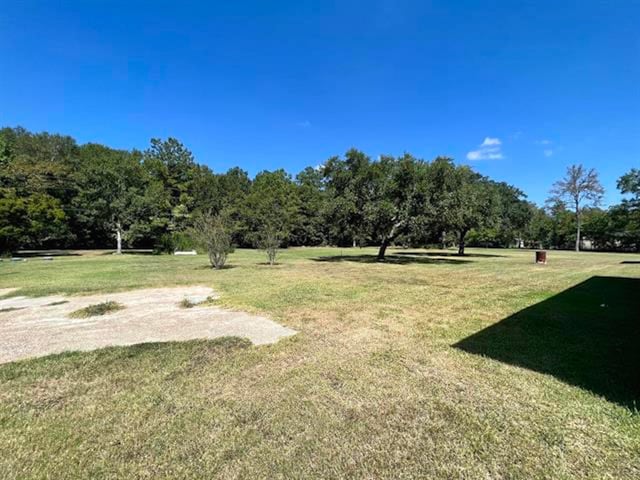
[[428, 365]]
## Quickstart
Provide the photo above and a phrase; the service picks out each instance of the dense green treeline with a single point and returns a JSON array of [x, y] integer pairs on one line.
[[55, 193]]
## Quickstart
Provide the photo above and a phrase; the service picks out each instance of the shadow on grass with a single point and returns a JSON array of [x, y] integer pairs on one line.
[[133, 251], [392, 259], [46, 253], [630, 262], [450, 254], [209, 267], [586, 336]]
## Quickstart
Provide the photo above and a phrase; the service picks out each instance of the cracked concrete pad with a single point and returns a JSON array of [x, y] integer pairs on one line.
[[31, 327]]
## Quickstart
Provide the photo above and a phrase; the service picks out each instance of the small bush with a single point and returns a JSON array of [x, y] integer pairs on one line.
[[213, 233], [270, 241], [97, 309]]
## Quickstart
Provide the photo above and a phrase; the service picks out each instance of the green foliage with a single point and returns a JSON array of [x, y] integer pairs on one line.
[[596, 227], [111, 194], [375, 201], [171, 166], [537, 233], [310, 228], [174, 241], [271, 211], [57, 194], [464, 201], [347, 184], [629, 183], [36, 220], [271, 207]]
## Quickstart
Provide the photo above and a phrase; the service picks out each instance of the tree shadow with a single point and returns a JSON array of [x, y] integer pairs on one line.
[[630, 262], [46, 253], [133, 251], [209, 267], [451, 254], [586, 336], [391, 259]]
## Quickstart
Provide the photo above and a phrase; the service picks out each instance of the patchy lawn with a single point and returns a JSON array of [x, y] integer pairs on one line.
[[428, 365]]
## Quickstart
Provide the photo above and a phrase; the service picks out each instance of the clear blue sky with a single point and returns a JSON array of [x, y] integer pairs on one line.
[[271, 84]]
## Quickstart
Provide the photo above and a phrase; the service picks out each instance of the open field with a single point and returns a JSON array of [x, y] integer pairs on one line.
[[428, 365]]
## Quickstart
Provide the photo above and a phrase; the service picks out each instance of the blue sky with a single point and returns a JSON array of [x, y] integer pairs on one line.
[[519, 90]]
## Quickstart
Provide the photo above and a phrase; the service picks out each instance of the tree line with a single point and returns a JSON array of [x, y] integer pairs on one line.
[[55, 193]]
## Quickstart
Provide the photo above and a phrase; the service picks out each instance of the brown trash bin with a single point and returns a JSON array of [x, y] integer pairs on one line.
[[541, 257]]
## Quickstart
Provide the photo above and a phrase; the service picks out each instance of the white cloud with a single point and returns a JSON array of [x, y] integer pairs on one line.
[[548, 152], [544, 142], [488, 141], [304, 124], [489, 150]]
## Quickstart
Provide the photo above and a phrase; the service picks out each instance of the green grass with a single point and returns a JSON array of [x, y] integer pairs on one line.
[[427, 365], [97, 309]]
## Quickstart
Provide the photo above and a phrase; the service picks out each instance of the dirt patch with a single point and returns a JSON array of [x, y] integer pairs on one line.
[[31, 327]]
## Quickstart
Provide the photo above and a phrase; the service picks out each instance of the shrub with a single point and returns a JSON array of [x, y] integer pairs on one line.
[[164, 244], [270, 241], [213, 234], [183, 241], [170, 242]]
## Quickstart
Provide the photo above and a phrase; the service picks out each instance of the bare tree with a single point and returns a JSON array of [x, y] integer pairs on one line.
[[213, 233], [578, 189]]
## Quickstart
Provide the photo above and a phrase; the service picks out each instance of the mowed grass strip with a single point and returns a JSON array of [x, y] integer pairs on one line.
[[400, 369]]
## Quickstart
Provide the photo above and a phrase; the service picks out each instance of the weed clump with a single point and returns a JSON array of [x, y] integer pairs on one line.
[[186, 303], [97, 309]]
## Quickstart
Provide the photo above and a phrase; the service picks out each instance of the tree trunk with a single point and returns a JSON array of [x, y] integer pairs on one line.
[[354, 242], [443, 239], [578, 228], [463, 234], [118, 239], [388, 238], [383, 249]]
